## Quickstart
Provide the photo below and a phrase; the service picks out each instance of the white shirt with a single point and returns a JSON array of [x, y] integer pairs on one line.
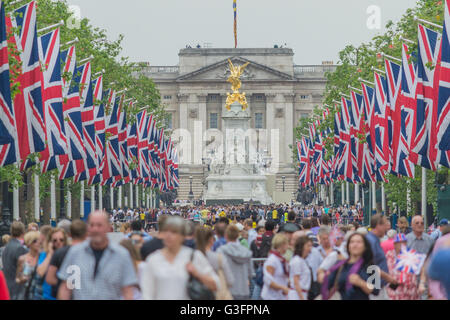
[[162, 280], [279, 277], [298, 266]]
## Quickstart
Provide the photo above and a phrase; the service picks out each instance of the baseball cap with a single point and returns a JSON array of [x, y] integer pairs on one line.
[[443, 222], [400, 238]]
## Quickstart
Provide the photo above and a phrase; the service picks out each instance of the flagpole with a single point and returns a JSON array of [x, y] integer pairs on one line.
[[428, 22], [137, 196], [92, 198], [53, 199], [69, 203], [408, 197], [76, 40], [119, 197], [356, 193], [82, 200], [383, 199], [59, 24], [131, 196], [378, 70], [374, 197], [332, 193], [36, 197], [406, 40], [347, 187], [390, 57], [16, 214], [111, 198], [366, 81], [100, 197], [342, 193], [424, 196], [152, 200]]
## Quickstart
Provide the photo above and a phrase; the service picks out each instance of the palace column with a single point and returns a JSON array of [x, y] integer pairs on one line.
[[288, 126], [270, 125], [201, 98]]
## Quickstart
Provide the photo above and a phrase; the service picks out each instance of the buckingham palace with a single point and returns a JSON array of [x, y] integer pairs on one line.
[[278, 92]]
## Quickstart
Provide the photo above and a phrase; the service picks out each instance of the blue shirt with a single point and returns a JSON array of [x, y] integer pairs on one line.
[[219, 243], [379, 258], [314, 260], [46, 288]]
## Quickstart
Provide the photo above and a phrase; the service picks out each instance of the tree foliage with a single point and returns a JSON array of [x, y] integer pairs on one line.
[[356, 62]]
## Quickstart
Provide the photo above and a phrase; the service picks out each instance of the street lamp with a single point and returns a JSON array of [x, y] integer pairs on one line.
[[5, 224], [284, 181], [191, 194]]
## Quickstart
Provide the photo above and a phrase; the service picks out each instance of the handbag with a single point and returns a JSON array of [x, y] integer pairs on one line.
[[336, 295], [222, 293], [196, 289], [314, 289]]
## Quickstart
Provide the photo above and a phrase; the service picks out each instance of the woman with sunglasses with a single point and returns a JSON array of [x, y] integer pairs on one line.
[[56, 239], [26, 264]]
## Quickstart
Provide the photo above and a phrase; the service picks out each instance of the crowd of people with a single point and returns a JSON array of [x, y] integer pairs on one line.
[[283, 252]]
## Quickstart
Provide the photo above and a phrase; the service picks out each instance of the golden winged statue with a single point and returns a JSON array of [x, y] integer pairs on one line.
[[234, 79]]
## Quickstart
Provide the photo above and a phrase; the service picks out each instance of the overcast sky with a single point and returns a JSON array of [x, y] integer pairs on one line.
[[316, 30]]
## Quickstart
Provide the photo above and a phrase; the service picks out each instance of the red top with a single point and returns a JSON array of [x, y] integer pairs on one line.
[[4, 293]]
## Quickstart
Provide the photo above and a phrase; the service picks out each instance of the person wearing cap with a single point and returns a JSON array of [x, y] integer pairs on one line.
[[436, 234], [407, 289]]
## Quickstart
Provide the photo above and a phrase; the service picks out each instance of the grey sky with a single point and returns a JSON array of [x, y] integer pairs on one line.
[[317, 30]]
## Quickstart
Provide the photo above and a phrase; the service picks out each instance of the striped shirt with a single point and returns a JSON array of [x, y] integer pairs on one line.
[[115, 272]]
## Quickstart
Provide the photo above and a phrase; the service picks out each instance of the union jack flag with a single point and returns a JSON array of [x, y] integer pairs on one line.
[[112, 167], [408, 102], [8, 136], [345, 143], [143, 122], [356, 131], [369, 131], [123, 147], [409, 261], [380, 121], [133, 151], [99, 123], [443, 117], [304, 167], [175, 177], [88, 165], [398, 142], [337, 155], [53, 100], [427, 97], [28, 109], [72, 116]]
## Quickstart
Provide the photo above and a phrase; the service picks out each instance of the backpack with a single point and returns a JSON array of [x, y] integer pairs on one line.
[[265, 247]]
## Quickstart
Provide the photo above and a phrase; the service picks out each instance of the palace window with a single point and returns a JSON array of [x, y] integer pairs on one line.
[[258, 97], [167, 97], [213, 121], [303, 97], [259, 121], [213, 97]]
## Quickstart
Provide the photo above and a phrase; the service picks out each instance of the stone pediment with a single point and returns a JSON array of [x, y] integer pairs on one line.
[[219, 72]]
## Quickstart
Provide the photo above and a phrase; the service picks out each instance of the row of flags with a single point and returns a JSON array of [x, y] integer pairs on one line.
[[399, 120], [60, 112]]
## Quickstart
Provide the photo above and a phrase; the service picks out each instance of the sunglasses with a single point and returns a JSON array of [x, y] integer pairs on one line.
[[58, 240]]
